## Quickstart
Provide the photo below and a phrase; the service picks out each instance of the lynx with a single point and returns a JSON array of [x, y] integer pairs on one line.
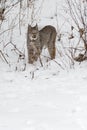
[[33, 44], [36, 40]]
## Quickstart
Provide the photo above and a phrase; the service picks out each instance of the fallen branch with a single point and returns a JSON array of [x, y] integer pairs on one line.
[[80, 58]]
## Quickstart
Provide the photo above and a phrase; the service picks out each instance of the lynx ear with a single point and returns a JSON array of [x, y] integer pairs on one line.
[[36, 26], [29, 26]]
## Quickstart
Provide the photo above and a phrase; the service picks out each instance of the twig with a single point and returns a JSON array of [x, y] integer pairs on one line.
[[54, 61], [4, 57]]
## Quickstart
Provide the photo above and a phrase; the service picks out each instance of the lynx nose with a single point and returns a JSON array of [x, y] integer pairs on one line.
[[34, 36]]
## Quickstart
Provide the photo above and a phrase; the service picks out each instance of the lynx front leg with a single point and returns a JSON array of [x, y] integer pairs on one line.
[[30, 55], [36, 52]]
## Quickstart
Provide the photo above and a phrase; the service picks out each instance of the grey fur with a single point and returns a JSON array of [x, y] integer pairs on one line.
[[36, 40]]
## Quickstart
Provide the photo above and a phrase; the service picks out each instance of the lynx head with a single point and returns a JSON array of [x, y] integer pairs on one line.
[[33, 32]]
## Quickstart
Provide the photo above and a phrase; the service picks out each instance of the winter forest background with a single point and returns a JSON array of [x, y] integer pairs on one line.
[[51, 95], [69, 18]]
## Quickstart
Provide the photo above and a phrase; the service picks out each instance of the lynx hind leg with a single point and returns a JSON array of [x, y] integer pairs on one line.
[[51, 45], [52, 51], [52, 48]]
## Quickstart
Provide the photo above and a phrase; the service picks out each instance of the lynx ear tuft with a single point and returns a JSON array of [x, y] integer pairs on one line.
[[29, 26], [36, 26]]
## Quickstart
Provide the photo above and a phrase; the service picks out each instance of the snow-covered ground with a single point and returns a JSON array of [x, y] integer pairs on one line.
[[52, 97], [50, 101]]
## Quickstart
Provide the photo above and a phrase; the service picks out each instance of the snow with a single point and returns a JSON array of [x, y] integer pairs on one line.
[[52, 97], [47, 102]]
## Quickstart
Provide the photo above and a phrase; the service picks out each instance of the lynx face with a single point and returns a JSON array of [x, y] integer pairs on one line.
[[33, 33]]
